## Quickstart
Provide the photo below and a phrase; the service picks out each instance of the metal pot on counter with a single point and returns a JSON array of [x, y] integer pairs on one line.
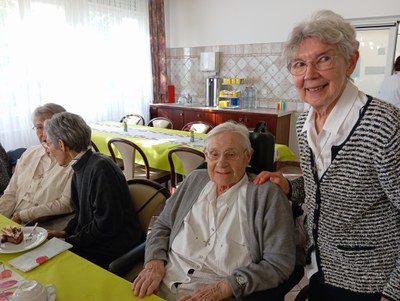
[[213, 85]]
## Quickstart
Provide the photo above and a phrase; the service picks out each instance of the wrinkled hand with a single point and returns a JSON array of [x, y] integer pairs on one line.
[[213, 292], [274, 177], [16, 218], [58, 234], [149, 280]]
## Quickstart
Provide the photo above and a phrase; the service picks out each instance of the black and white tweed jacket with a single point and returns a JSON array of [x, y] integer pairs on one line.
[[354, 209]]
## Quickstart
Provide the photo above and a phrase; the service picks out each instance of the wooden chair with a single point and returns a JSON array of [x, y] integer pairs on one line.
[[133, 119], [128, 150], [94, 146], [161, 122], [190, 158], [148, 198], [198, 126]]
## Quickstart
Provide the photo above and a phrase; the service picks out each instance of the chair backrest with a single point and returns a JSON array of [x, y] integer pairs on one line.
[[127, 150], [161, 122], [133, 119], [263, 144], [94, 146], [13, 156], [198, 126], [190, 158], [147, 197]]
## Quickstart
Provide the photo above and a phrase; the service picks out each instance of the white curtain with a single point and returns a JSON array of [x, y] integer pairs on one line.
[[90, 56]]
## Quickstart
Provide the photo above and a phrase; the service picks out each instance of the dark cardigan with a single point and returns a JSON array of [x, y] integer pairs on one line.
[[105, 225]]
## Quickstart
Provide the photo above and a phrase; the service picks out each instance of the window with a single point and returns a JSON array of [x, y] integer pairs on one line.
[[90, 56], [377, 39]]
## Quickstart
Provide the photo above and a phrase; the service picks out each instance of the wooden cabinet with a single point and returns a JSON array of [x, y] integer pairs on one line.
[[278, 125], [196, 114], [248, 119], [176, 115]]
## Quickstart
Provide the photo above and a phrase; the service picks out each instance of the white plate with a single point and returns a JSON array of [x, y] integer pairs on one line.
[[38, 237]]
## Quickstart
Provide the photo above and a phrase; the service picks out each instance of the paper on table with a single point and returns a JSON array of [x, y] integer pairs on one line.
[[40, 255]]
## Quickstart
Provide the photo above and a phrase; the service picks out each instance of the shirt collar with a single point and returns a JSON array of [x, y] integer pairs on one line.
[[76, 158], [227, 196]]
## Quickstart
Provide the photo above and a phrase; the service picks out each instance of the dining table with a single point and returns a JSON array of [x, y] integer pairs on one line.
[[157, 142], [74, 278]]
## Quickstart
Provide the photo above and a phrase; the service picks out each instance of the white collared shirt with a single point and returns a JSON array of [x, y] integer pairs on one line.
[[337, 127], [335, 131], [215, 227]]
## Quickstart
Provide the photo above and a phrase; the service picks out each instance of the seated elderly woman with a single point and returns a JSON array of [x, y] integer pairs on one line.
[[219, 235], [39, 188], [105, 224]]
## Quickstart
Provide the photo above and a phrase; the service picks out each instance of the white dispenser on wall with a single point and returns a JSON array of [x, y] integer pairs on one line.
[[209, 62]]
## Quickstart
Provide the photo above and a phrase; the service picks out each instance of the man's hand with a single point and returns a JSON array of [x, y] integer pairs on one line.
[[213, 292], [274, 177], [149, 280]]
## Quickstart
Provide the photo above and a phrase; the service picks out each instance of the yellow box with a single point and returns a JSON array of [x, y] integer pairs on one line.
[[223, 103]]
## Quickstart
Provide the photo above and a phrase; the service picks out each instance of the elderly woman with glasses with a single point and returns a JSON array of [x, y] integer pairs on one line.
[[39, 187], [349, 153], [220, 236]]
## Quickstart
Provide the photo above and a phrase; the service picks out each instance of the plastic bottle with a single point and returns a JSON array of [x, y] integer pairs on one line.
[[125, 125], [191, 136], [249, 98]]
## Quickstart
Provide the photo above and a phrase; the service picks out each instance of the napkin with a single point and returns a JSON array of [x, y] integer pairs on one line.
[[40, 255]]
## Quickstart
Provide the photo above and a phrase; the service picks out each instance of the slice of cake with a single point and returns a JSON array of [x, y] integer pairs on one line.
[[12, 234]]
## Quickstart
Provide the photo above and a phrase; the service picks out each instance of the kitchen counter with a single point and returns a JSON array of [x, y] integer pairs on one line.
[[278, 122], [260, 110]]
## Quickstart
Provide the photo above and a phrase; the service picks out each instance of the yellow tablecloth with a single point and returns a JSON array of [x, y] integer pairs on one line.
[[77, 279], [156, 142]]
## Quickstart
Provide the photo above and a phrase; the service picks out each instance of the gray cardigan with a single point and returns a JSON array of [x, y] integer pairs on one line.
[[271, 233]]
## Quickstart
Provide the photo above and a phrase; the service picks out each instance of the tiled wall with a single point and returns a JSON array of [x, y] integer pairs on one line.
[[258, 64]]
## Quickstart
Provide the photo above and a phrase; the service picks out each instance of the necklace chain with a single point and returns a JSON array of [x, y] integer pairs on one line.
[[207, 241]]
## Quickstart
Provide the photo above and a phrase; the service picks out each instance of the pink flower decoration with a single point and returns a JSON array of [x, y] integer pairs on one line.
[[42, 259]]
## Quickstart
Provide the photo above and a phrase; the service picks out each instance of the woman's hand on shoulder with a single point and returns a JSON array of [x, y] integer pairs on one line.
[[274, 177], [212, 292], [149, 279]]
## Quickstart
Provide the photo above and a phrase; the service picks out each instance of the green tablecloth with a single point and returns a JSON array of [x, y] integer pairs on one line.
[[76, 278], [156, 142]]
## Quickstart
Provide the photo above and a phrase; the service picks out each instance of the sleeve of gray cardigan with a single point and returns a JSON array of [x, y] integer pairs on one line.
[[271, 241]]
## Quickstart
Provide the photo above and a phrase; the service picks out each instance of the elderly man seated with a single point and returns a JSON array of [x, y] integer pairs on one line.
[[220, 236]]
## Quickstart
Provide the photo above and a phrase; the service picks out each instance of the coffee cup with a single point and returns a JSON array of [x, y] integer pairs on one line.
[[30, 290]]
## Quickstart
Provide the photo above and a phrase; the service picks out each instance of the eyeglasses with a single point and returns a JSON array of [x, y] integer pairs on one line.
[[321, 63], [229, 155], [38, 128]]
